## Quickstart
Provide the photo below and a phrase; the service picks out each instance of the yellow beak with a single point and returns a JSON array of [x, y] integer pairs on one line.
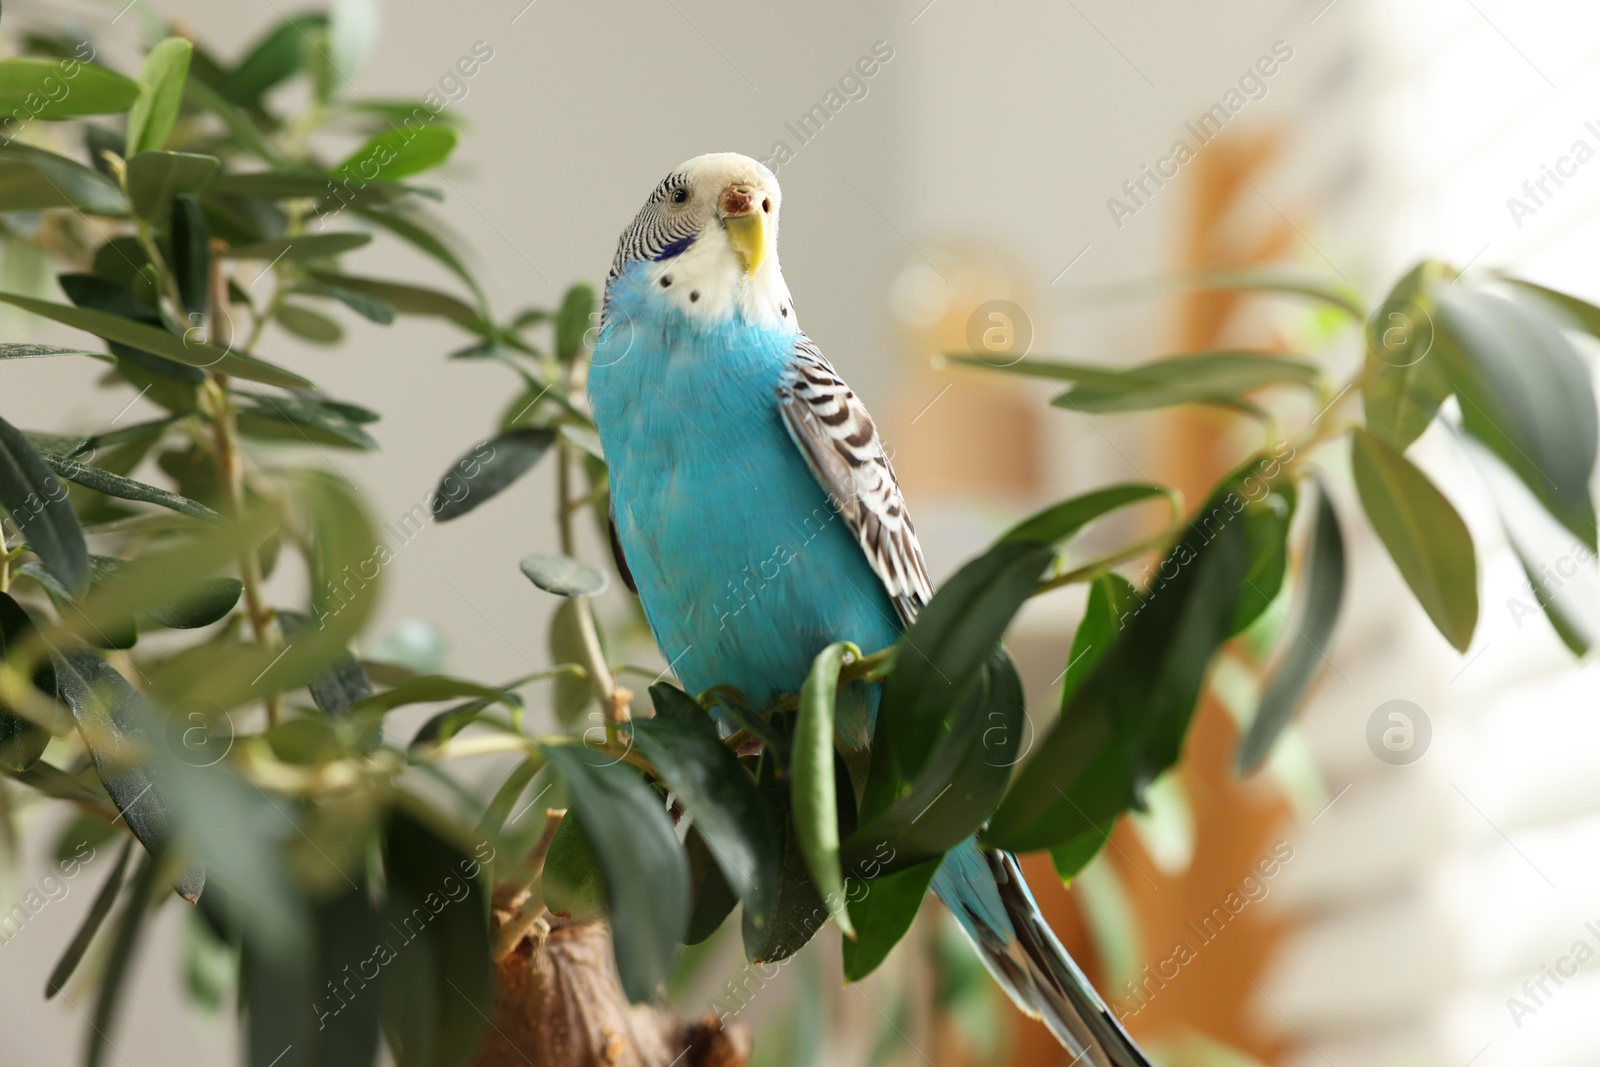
[[748, 235]]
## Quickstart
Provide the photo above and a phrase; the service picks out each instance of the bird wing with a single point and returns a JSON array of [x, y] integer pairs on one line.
[[832, 429]]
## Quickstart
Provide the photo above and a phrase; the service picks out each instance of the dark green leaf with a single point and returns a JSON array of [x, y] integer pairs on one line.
[[428, 235], [306, 246], [125, 938], [673, 703], [33, 85], [342, 686], [305, 417], [191, 254], [488, 469], [1265, 521], [103, 481], [962, 782], [722, 798], [1319, 610], [1408, 370], [156, 178], [31, 351], [571, 880], [91, 924], [37, 502], [158, 341], [1584, 315], [1205, 377], [572, 321], [1425, 537], [645, 871], [816, 817], [201, 603], [563, 575], [952, 637], [442, 980], [111, 714], [277, 56], [1073, 855], [431, 688], [1126, 722], [711, 898], [309, 325], [571, 695], [153, 115], [798, 913], [22, 740], [1111, 600], [368, 307], [281, 185], [1525, 393], [884, 911], [1062, 521], [399, 153], [33, 179], [408, 299]]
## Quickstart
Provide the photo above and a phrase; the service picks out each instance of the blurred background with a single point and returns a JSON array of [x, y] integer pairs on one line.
[[1008, 166]]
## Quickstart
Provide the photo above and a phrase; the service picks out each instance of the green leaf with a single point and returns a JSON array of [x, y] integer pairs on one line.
[[673, 703], [161, 81], [429, 236], [951, 639], [342, 686], [399, 153], [1584, 315], [125, 938], [309, 325], [190, 238], [408, 299], [962, 782], [37, 503], [571, 696], [1112, 601], [32, 85], [1525, 393], [712, 900], [306, 246], [721, 797], [645, 871], [1319, 610], [816, 816], [103, 481], [32, 179], [489, 469], [432, 688], [368, 307], [571, 880], [572, 321], [1266, 522], [1407, 368], [92, 922], [305, 417], [563, 575], [158, 342], [1125, 723], [1073, 855], [155, 178], [1062, 521], [798, 913], [1206, 377], [25, 350], [277, 56], [1272, 278], [288, 185], [437, 1000], [884, 912], [110, 715], [22, 740], [1425, 537], [200, 603]]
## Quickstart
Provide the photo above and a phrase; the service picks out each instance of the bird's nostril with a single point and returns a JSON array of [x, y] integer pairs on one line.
[[737, 200]]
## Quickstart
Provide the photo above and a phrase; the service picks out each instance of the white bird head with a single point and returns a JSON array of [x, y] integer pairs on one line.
[[706, 241]]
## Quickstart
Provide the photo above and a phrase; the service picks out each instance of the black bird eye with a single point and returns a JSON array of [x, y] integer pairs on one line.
[[680, 195]]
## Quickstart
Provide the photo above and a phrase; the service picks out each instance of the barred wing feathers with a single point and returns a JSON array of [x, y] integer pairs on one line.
[[833, 431]]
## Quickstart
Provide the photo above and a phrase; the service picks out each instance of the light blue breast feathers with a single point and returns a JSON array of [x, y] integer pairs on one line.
[[744, 570]]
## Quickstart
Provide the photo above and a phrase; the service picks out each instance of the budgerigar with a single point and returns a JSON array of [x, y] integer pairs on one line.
[[760, 518]]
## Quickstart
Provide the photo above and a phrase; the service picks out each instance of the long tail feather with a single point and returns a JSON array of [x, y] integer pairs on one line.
[[987, 894]]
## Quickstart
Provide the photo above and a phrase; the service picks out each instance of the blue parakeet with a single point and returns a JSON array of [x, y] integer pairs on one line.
[[759, 516]]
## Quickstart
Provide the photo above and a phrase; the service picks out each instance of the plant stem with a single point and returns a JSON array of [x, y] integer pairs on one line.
[[613, 698], [527, 906], [230, 475], [5, 562]]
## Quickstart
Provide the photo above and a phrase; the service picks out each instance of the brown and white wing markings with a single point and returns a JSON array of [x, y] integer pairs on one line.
[[841, 445]]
